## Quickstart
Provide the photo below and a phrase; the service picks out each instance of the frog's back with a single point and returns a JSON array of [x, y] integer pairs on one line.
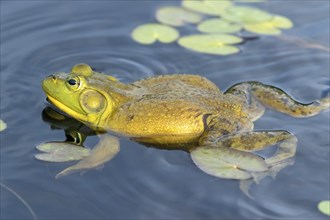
[[179, 87]]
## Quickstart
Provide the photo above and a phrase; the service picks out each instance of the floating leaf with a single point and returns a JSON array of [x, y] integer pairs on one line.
[[177, 16], [218, 26], [3, 125], [282, 22], [324, 207], [209, 7], [150, 33], [227, 163], [246, 15], [211, 43], [61, 152], [271, 27], [263, 28]]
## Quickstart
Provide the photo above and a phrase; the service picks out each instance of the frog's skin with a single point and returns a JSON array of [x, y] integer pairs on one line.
[[183, 109]]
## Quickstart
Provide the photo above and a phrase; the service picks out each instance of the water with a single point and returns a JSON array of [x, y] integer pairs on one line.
[[41, 37]]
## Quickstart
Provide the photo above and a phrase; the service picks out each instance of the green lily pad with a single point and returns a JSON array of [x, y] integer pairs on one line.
[[3, 125], [246, 15], [282, 22], [218, 26], [61, 152], [209, 7], [271, 27], [263, 28], [227, 163], [150, 33], [177, 16], [218, 44], [324, 207]]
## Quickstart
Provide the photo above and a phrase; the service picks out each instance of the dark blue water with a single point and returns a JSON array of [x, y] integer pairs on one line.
[[41, 37]]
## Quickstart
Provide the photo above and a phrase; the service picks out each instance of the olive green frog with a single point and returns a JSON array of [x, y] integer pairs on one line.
[[184, 109]]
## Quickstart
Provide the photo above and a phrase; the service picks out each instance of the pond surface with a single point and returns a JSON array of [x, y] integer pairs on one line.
[[42, 37]]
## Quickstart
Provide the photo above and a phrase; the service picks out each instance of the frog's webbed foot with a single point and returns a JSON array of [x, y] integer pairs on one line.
[[245, 185], [282, 158], [104, 151], [285, 152]]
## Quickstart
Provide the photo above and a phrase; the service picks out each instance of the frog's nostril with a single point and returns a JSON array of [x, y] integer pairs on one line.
[[52, 77]]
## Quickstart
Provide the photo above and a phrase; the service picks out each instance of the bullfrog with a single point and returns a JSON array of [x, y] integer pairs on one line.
[[184, 109]]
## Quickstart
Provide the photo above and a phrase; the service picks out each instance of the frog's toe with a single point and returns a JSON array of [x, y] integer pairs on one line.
[[245, 186], [325, 103], [227, 163], [278, 167]]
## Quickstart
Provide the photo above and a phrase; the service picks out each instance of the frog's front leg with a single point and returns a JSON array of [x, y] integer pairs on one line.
[[104, 150], [275, 98], [229, 156]]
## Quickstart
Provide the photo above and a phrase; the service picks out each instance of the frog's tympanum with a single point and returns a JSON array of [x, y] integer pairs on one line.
[[183, 109]]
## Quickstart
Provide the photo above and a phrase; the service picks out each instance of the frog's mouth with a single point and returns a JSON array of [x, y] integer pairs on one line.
[[66, 109]]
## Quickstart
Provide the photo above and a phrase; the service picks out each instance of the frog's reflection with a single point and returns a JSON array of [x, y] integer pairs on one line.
[[75, 131], [108, 146]]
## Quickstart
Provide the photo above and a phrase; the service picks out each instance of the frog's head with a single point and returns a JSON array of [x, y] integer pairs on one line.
[[82, 94]]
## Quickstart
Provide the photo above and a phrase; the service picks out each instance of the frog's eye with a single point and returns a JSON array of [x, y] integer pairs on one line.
[[73, 83]]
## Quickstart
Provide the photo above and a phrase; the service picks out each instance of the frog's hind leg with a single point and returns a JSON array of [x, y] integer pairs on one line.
[[258, 140], [277, 99], [230, 156], [252, 106]]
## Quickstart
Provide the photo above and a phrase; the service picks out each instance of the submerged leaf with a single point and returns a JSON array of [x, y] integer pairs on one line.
[[209, 7], [61, 152], [245, 15], [150, 33], [58, 158], [3, 125], [177, 16], [218, 26], [227, 163], [271, 27], [211, 43], [324, 207]]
